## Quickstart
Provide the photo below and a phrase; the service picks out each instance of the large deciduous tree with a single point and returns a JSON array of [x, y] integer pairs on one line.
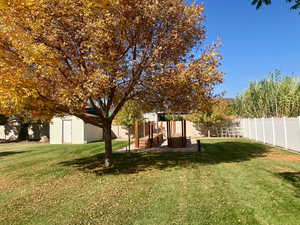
[[64, 56]]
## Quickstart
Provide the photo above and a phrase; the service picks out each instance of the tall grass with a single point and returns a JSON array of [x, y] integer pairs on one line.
[[275, 96]]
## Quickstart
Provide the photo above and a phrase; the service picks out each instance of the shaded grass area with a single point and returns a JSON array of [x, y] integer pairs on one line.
[[137, 162], [232, 182], [294, 179], [9, 153]]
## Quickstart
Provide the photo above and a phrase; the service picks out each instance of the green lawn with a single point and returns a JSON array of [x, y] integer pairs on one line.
[[233, 182]]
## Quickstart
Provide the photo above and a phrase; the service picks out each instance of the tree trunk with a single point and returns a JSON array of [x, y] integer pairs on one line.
[[108, 144], [129, 138]]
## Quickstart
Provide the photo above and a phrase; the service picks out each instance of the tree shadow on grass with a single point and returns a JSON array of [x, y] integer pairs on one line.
[[215, 153], [3, 154], [292, 178]]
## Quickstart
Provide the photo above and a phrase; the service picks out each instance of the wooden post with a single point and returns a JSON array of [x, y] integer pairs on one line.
[[167, 129], [151, 134], [182, 133], [136, 135], [149, 130], [199, 145], [144, 129], [168, 133]]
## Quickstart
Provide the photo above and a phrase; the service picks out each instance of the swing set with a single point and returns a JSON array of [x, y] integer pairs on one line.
[[175, 139], [148, 134], [151, 134]]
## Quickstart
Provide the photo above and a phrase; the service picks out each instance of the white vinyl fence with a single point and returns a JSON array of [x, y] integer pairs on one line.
[[283, 132]]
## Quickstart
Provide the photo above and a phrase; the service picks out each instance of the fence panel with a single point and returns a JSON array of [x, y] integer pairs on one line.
[[244, 128], [279, 132], [260, 130], [293, 133], [252, 129], [283, 132], [269, 131]]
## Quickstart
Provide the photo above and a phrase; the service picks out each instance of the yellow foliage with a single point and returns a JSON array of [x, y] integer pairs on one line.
[[62, 56]]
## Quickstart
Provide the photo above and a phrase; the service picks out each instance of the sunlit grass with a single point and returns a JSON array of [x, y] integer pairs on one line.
[[232, 182]]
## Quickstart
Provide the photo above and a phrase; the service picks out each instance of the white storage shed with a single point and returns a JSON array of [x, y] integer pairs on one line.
[[72, 130]]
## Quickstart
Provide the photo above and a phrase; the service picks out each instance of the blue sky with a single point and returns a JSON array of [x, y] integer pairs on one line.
[[255, 42]]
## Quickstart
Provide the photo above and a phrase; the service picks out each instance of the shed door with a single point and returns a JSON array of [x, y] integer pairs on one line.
[[67, 131]]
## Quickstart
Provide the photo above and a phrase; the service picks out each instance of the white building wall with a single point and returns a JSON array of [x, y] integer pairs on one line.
[[56, 131], [2, 132], [81, 132], [120, 131], [192, 130], [151, 117], [78, 130], [92, 133]]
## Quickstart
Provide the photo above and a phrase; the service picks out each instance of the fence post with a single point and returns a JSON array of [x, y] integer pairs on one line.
[[255, 124], [299, 122], [264, 130], [299, 126], [273, 131], [285, 133], [249, 129], [242, 127]]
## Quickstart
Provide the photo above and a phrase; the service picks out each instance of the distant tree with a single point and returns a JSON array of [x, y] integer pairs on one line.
[[23, 125], [172, 116], [216, 114], [128, 115], [260, 3], [3, 119], [275, 96]]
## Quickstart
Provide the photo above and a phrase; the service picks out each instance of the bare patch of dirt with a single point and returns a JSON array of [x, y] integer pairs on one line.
[[6, 184], [280, 157], [276, 155], [284, 169]]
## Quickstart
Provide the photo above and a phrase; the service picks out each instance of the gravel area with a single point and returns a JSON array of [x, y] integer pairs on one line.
[[191, 147]]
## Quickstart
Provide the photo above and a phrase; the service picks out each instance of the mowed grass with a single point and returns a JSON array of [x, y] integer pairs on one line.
[[232, 182]]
